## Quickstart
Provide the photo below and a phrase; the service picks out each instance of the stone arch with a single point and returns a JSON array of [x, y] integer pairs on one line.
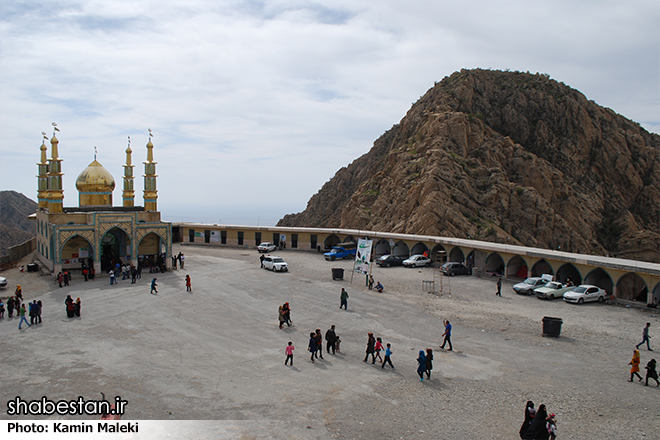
[[542, 267], [149, 249], [419, 248], [566, 271], [517, 267], [495, 264], [401, 249], [114, 246], [655, 294], [382, 247], [331, 240], [350, 239], [599, 277], [439, 254], [71, 247], [456, 255], [633, 288]]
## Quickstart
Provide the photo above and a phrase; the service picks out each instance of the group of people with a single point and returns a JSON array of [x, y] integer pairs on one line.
[[63, 278], [72, 307], [315, 346], [379, 287], [127, 271], [651, 371], [15, 304], [284, 315], [538, 424]]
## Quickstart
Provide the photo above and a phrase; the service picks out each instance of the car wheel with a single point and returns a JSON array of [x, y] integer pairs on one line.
[[333, 258], [580, 301], [601, 299], [451, 274], [551, 297]]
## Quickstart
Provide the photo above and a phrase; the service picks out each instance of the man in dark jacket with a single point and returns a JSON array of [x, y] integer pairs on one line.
[[331, 339]]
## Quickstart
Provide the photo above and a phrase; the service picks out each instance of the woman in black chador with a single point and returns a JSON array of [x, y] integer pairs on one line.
[[538, 430], [529, 416]]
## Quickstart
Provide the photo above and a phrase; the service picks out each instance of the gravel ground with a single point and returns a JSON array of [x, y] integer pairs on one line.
[[217, 354]]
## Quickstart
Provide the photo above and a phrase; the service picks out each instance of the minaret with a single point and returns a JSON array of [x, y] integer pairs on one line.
[[42, 178], [150, 191], [129, 193], [55, 191]]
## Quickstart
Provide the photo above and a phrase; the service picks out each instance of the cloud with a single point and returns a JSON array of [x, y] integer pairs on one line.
[[255, 105]]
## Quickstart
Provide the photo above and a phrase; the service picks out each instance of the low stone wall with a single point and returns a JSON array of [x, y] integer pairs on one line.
[[19, 251]]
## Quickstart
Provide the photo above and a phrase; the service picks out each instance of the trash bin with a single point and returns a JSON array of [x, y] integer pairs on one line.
[[552, 326], [337, 273], [32, 267]]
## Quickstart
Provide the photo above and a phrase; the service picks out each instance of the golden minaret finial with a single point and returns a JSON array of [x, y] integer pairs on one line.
[[129, 193], [42, 177], [55, 191], [150, 191]]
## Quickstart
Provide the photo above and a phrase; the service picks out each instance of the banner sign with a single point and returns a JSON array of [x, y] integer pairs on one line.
[[215, 236], [363, 256]]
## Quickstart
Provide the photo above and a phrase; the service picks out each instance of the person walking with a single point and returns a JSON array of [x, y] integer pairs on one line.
[[2, 309], [378, 347], [421, 365], [39, 310], [112, 277], [312, 345], [65, 277], [76, 307], [133, 274], [538, 429], [280, 316], [188, 284], [153, 286], [319, 343], [331, 339], [60, 279], [10, 306], [529, 416], [447, 335], [261, 259], [634, 370], [429, 363], [645, 337], [388, 354], [69, 306], [21, 312], [651, 372], [344, 299], [19, 292], [287, 314], [499, 287], [371, 348], [289, 353]]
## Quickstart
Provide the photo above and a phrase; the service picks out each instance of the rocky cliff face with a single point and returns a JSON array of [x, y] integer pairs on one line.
[[15, 227], [508, 157]]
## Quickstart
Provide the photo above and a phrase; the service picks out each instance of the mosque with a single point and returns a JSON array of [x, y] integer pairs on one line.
[[96, 233]]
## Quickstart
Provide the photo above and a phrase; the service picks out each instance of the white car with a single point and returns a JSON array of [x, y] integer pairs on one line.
[[417, 261], [3, 282], [266, 246], [276, 264], [585, 293], [527, 287], [552, 290]]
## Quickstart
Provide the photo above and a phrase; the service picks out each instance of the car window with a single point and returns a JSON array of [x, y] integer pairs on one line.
[[579, 290], [278, 260], [592, 290]]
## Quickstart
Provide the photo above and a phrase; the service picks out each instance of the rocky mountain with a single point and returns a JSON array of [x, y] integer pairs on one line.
[[508, 157], [15, 227]]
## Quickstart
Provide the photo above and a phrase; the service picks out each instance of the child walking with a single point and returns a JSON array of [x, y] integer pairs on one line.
[[552, 427], [378, 347], [388, 353], [188, 284], [634, 370], [289, 353], [651, 372]]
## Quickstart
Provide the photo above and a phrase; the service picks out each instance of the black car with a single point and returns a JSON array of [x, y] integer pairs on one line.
[[452, 269], [390, 260]]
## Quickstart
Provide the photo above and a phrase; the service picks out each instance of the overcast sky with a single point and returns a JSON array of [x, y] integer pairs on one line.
[[255, 105]]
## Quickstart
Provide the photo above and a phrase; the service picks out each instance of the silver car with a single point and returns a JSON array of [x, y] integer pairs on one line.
[[585, 293], [3, 282], [276, 264], [417, 261], [527, 287]]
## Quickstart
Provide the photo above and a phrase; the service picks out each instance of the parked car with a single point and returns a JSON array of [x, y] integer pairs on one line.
[[390, 260], [266, 246], [552, 290], [276, 264], [3, 282], [452, 269], [527, 287], [585, 293], [417, 261], [338, 252]]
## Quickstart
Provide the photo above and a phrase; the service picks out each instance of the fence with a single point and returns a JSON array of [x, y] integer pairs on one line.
[[19, 251]]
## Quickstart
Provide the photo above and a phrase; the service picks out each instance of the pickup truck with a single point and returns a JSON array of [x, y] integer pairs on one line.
[[339, 252]]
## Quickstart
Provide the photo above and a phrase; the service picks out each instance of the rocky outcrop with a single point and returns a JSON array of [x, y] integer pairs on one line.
[[15, 227], [509, 157]]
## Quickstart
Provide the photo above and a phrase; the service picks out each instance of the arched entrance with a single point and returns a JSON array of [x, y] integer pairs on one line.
[[350, 239], [115, 247], [151, 250], [542, 267], [568, 271], [331, 240], [75, 251], [655, 297], [495, 264], [456, 255], [439, 254], [382, 247], [633, 288], [400, 249], [598, 277], [517, 267], [419, 249]]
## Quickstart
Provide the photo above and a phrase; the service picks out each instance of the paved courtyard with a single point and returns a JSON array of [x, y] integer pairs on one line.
[[217, 354]]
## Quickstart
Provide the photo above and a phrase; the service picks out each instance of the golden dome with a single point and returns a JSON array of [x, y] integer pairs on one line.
[[95, 185]]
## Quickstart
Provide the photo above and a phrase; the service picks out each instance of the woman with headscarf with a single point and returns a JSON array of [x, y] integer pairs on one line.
[[312, 348], [634, 370], [287, 314], [280, 315], [529, 416], [19, 292], [76, 308], [421, 365], [371, 348], [538, 429], [429, 362], [651, 372]]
